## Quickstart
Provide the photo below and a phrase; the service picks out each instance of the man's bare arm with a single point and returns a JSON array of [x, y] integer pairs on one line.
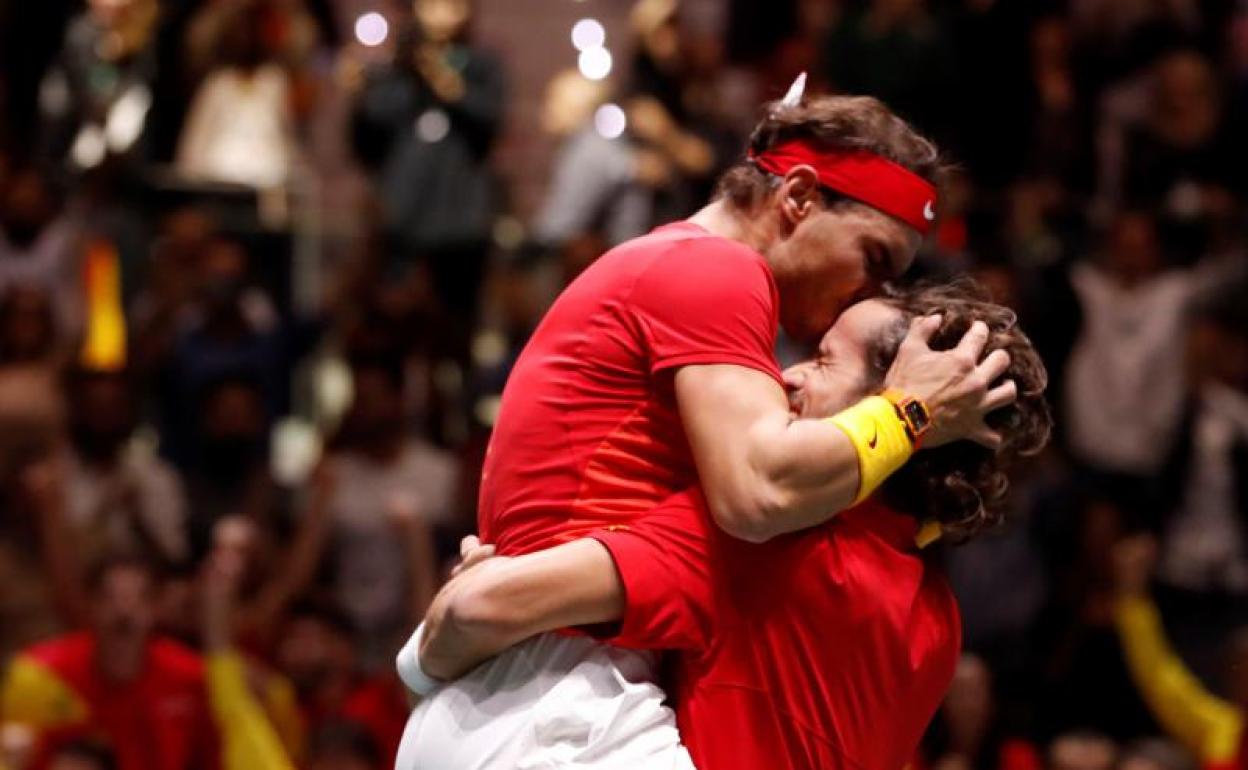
[[502, 601], [765, 473]]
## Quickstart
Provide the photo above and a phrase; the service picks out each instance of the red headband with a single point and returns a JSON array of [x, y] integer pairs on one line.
[[861, 175]]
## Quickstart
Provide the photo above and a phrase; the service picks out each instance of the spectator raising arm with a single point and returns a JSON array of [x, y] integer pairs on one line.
[[250, 740], [1209, 726]]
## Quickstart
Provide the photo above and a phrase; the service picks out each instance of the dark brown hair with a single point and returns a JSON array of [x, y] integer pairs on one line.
[[843, 122], [963, 485]]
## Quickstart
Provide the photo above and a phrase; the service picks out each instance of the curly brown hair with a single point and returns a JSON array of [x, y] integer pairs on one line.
[[963, 485], [844, 122]]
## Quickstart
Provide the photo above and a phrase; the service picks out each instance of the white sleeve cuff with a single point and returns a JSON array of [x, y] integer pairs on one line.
[[408, 664]]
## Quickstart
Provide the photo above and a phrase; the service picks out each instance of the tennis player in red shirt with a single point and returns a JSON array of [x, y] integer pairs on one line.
[[654, 370], [827, 648]]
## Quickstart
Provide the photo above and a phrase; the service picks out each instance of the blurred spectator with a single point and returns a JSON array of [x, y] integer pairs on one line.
[[899, 51], [230, 472], [40, 243], [600, 191], [424, 126], [1082, 751], [119, 678], [251, 735], [665, 115], [1204, 551], [1184, 159], [1121, 36], [1212, 727], [96, 99], [230, 331], [1059, 146], [120, 497], [379, 493], [804, 50], [241, 123], [1084, 683], [967, 732], [1125, 385], [28, 328], [1004, 628], [315, 652], [167, 300], [31, 427]]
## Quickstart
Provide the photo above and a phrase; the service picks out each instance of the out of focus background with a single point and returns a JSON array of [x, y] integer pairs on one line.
[[264, 266]]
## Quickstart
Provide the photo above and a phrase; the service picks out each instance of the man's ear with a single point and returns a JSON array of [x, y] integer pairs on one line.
[[799, 194]]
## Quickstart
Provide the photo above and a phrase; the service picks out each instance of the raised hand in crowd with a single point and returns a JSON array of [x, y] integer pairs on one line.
[[1134, 559]]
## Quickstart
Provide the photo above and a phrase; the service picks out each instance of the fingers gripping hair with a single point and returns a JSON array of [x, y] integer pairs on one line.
[[963, 485]]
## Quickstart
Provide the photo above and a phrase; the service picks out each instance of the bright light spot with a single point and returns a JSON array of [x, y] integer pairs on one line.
[[433, 125], [594, 63], [610, 121], [372, 29], [588, 33], [489, 348], [508, 232], [487, 410], [89, 147]]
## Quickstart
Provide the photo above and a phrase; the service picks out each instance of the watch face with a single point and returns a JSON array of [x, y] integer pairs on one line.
[[917, 416]]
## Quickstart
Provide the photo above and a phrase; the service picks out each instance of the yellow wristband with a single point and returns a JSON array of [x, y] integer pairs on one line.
[[879, 436]]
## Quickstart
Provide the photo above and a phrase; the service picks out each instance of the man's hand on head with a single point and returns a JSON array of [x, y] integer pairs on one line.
[[956, 385]]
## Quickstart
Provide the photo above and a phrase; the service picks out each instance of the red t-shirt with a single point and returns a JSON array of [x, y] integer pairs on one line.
[[160, 721], [829, 648], [588, 434]]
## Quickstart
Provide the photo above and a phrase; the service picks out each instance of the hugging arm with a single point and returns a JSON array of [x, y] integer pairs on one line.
[[651, 581], [493, 605]]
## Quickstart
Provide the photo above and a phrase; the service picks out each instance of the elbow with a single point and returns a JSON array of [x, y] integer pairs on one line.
[[755, 519]]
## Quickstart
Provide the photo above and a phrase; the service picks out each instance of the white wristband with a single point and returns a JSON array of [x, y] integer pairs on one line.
[[408, 664]]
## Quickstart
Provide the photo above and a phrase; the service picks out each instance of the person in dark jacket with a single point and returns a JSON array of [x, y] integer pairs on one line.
[[424, 126]]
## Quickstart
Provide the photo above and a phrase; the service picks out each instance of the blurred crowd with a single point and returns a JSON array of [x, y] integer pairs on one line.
[[262, 276]]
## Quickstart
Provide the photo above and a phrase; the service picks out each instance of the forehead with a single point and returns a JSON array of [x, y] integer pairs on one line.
[[902, 242], [861, 323]]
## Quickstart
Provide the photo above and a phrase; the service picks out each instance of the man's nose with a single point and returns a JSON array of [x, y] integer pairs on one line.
[[794, 377]]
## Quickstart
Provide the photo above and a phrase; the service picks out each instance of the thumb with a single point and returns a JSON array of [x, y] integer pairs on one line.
[[922, 330]]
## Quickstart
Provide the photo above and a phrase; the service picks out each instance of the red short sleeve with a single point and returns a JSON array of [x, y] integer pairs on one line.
[[708, 301], [664, 562]]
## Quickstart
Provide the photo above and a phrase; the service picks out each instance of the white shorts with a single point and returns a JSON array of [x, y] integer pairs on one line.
[[551, 702]]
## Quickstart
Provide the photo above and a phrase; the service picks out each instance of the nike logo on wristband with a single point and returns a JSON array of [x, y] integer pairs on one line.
[[875, 436]]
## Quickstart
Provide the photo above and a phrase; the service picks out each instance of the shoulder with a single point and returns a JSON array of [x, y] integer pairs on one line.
[[698, 262], [177, 661], [60, 652]]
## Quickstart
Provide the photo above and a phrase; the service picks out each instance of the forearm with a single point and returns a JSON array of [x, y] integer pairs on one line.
[[251, 742], [1209, 726], [298, 568], [763, 472], [492, 607], [803, 471]]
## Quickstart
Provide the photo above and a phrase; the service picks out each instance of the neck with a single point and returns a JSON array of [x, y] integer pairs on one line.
[[722, 219]]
